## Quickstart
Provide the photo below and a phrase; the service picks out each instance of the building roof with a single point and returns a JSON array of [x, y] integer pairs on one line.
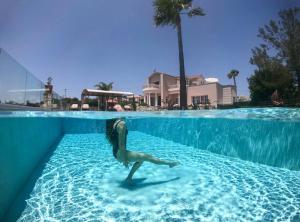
[[177, 77], [195, 76], [158, 73], [97, 92]]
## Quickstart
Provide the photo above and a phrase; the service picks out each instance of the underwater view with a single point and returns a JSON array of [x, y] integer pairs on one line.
[[231, 169], [83, 182]]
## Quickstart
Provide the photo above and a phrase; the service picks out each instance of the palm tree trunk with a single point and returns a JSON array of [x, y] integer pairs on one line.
[[235, 89], [298, 82], [183, 94], [234, 83], [102, 103]]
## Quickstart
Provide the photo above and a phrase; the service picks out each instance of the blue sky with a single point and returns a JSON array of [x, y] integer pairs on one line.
[[82, 42]]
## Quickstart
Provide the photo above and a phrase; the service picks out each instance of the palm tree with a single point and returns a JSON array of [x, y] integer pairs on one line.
[[168, 12], [106, 87], [232, 74]]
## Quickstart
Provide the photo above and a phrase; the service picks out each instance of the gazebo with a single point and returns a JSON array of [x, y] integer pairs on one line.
[[112, 95]]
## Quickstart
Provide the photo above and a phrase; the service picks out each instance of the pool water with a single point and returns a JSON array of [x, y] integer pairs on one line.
[[83, 182], [285, 114]]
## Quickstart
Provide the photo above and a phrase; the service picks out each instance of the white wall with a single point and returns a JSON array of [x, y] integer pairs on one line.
[[227, 96], [202, 90]]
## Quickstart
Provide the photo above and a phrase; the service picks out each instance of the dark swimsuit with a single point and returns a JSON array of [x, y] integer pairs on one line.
[[115, 138]]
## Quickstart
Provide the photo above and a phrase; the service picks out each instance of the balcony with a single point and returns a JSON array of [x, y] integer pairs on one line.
[[175, 86], [173, 89], [151, 88]]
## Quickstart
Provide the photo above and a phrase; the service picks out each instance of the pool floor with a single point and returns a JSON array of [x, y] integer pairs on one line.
[[83, 182]]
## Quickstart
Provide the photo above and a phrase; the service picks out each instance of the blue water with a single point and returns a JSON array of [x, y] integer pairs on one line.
[[236, 165], [283, 114], [83, 182]]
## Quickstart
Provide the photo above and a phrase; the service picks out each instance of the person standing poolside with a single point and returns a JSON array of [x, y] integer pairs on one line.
[[116, 134]]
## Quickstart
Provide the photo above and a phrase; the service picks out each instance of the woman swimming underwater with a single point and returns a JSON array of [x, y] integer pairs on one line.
[[116, 133]]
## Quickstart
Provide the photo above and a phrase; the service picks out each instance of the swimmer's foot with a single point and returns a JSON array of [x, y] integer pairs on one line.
[[129, 182], [172, 164]]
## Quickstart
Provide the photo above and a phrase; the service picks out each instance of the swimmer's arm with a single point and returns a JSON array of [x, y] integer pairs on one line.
[[122, 138]]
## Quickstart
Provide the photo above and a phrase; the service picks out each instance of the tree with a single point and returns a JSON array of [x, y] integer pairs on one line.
[[231, 75], [283, 38], [168, 12], [263, 83], [68, 100], [106, 87]]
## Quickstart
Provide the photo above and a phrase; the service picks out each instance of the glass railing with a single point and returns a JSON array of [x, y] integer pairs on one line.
[[19, 87]]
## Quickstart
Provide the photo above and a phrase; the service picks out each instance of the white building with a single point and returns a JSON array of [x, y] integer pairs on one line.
[[163, 90]]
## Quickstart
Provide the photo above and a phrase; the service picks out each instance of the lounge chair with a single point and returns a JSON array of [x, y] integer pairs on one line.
[[127, 107], [74, 107], [85, 107]]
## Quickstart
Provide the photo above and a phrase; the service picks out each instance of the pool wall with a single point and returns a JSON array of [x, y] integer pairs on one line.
[[23, 144], [274, 143], [75, 125]]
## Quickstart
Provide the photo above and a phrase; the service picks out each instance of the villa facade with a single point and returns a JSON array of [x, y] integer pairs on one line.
[[163, 90]]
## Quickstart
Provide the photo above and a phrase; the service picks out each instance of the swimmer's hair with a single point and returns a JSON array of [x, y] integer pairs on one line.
[[109, 129]]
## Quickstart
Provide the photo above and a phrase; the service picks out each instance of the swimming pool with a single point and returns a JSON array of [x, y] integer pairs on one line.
[[236, 165]]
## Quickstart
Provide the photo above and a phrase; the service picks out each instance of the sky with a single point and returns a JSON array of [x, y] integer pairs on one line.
[[82, 42]]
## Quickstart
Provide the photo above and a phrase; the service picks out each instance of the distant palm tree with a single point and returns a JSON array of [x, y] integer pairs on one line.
[[106, 87], [168, 12], [232, 74]]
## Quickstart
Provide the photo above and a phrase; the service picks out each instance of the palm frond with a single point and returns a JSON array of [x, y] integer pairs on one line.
[[110, 86], [165, 12], [104, 86], [233, 73], [184, 2], [196, 12]]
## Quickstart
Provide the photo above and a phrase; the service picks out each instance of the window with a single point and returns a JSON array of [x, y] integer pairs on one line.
[[196, 99], [204, 99], [200, 99]]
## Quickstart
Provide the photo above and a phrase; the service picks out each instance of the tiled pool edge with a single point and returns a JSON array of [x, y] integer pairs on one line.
[[19, 156]]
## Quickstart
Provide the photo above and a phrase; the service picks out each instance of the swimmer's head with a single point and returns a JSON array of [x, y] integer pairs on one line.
[[109, 128]]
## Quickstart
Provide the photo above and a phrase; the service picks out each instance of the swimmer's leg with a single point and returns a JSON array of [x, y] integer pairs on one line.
[[140, 157], [134, 168]]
